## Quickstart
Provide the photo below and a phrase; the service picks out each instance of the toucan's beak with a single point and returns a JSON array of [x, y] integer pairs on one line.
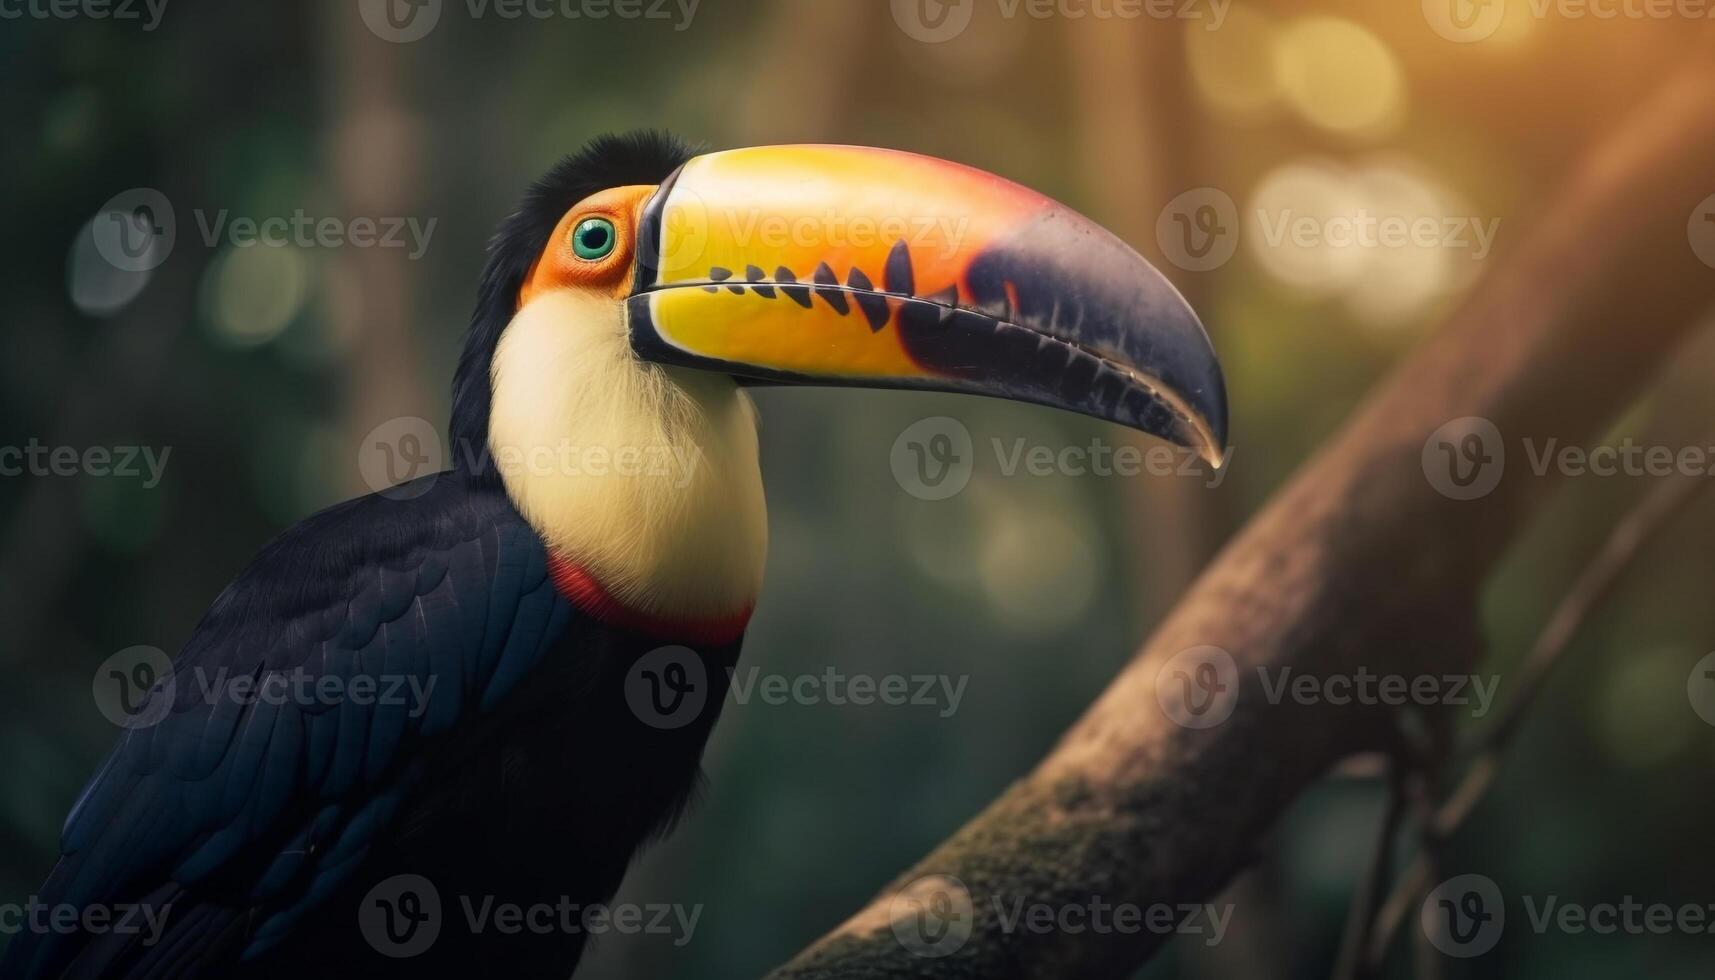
[[853, 266]]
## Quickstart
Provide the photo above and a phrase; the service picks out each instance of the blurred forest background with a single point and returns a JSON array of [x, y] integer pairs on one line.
[[263, 367]]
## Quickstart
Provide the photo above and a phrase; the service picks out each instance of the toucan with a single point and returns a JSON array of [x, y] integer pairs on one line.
[[639, 289]]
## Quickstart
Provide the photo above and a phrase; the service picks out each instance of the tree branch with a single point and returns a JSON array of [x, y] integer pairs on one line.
[[1650, 518], [1358, 561]]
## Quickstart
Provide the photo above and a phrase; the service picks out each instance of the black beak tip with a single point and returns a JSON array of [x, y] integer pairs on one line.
[[1211, 406]]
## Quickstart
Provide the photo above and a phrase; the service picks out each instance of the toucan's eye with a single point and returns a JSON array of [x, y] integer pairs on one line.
[[593, 238]]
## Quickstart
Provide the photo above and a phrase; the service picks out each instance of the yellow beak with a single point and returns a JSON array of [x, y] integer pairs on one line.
[[855, 266]]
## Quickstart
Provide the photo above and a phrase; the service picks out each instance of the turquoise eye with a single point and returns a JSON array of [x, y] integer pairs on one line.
[[594, 238]]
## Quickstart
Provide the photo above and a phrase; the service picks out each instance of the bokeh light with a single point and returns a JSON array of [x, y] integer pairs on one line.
[[96, 286], [1233, 67], [1340, 77], [1286, 225], [1384, 236], [1628, 718], [1038, 560], [251, 294]]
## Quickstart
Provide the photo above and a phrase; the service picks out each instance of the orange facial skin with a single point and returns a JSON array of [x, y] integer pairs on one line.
[[560, 267]]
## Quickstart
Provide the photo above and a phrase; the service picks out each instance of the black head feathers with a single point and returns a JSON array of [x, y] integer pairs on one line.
[[641, 157]]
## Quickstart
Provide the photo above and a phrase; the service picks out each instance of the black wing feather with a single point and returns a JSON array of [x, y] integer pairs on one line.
[[271, 803]]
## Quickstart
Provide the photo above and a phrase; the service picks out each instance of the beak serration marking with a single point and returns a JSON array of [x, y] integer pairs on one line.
[[754, 274], [872, 303], [897, 276], [719, 274], [797, 294], [898, 279], [828, 287]]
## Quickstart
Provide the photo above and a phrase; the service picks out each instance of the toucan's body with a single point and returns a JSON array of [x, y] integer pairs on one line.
[[623, 308], [273, 823]]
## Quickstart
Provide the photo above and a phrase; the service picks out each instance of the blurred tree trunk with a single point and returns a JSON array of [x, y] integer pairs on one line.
[[819, 47], [1137, 141], [373, 145]]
